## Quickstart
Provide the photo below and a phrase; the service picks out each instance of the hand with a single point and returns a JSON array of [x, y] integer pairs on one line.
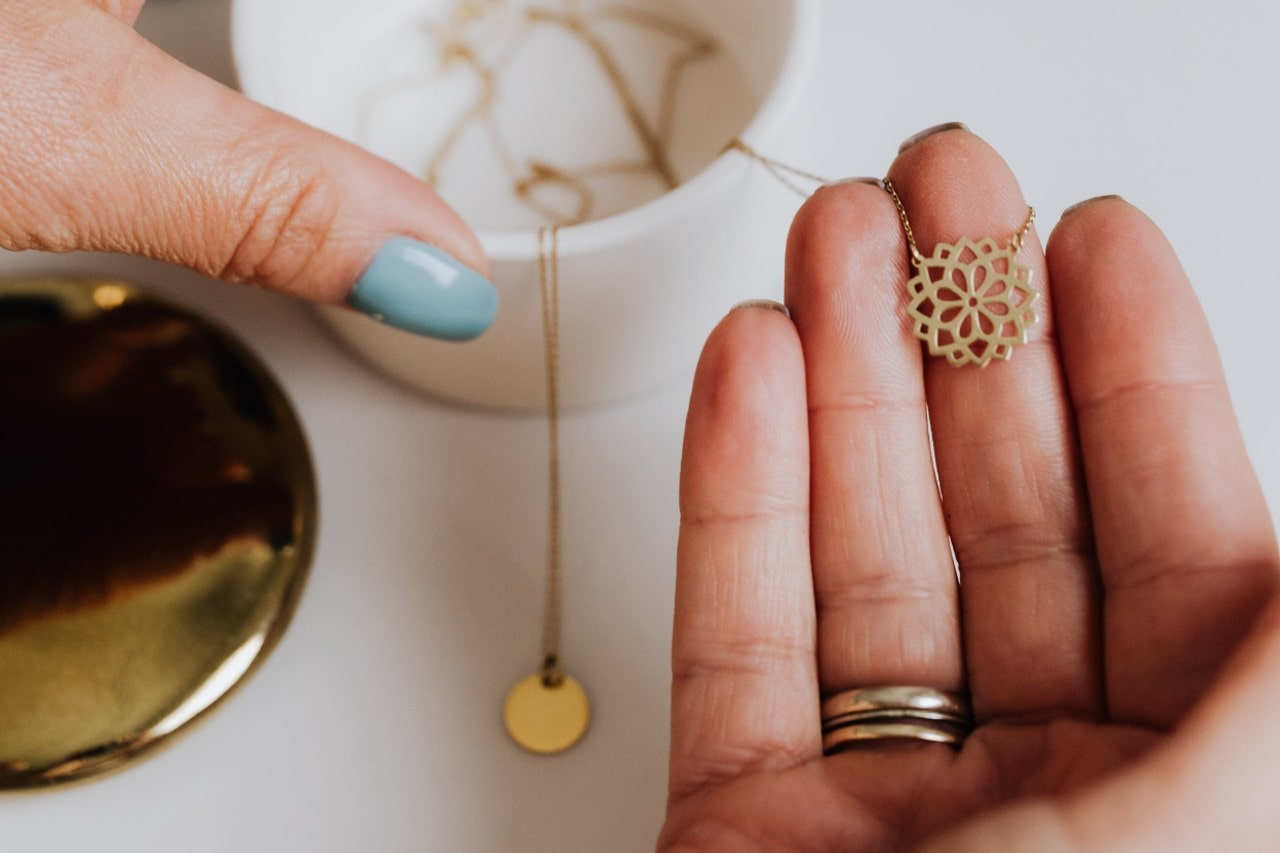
[[1113, 545], [109, 144]]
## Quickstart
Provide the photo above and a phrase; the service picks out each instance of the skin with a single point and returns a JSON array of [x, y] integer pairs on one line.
[[110, 144], [1115, 625]]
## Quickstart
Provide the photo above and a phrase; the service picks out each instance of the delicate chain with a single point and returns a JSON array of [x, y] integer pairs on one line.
[[780, 171], [652, 133], [549, 282], [1015, 243], [916, 257]]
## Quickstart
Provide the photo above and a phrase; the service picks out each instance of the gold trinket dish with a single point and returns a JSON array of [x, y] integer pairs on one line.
[[157, 517]]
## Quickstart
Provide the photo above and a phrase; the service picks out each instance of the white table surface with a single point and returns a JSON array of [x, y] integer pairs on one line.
[[375, 724]]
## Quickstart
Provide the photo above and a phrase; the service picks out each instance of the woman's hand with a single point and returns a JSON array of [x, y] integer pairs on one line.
[[109, 144], [1114, 549]]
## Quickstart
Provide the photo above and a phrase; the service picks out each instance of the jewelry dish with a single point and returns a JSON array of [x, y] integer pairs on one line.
[[610, 121]]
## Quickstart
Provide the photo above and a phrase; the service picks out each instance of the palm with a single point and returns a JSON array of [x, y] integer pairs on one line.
[[889, 800], [1112, 542]]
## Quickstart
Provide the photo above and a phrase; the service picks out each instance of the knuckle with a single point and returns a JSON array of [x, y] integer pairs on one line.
[[707, 833], [286, 219]]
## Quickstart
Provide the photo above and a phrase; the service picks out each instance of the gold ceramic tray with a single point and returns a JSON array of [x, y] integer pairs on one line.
[[157, 518]]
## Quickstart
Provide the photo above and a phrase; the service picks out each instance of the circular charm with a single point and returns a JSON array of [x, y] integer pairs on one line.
[[545, 717], [972, 302]]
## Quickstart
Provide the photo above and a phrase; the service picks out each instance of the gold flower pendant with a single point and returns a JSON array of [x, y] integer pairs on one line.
[[972, 302]]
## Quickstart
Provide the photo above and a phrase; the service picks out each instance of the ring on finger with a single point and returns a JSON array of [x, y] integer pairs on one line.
[[867, 715]]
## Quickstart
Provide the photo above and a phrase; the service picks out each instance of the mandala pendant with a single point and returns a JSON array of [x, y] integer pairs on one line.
[[972, 301]]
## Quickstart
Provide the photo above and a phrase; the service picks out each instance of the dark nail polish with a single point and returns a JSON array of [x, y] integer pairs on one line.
[[1073, 208], [925, 134], [764, 303], [874, 182]]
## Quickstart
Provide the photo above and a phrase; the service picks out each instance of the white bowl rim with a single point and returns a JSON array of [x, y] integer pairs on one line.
[[729, 167]]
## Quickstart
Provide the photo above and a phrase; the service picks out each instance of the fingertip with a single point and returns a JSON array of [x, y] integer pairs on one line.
[[957, 177], [419, 288], [836, 205], [1097, 224], [1081, 205], [751, 337], [945, 127], [1106, 227], [451, 232], [750, 365], [841, 221], [763, 304], [1124, 305], [953, 136], [385, 202], [846, 264], [878, 183]]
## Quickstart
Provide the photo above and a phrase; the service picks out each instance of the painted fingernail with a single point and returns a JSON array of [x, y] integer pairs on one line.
[[416, 287], [936, 129], [1073, 208], [875, 182], [763, 303]]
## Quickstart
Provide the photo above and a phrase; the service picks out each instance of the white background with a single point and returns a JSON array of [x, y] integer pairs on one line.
[[375, 724]]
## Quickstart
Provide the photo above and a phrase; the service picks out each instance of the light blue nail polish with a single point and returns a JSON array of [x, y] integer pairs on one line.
[[418, 288]]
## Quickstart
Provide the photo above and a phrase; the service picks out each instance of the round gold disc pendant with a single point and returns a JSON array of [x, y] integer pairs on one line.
[[545, 717]]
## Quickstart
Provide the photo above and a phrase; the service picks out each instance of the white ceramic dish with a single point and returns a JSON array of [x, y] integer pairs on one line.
[[648, 275]]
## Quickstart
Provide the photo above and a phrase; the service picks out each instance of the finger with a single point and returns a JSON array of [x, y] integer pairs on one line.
[[1007, 461], [884, 580], [1209, 787], [125, 10], [1220, 756], [744, 692], [112, 145], [1184, 538]]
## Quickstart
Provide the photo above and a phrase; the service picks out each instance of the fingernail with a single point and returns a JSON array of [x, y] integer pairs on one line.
[[875, 182], [1073, 208], [416, 287], [763, 303], [925, 134]]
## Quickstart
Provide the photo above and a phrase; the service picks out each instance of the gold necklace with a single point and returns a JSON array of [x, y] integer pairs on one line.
[[528, 179], [971, 301], [548, 712]]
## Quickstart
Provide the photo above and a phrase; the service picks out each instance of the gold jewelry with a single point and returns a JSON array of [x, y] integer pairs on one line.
[[970, 301], [572, 199], [898, 712], [548, 712], [865, 734], [781, 172], [905, 698]]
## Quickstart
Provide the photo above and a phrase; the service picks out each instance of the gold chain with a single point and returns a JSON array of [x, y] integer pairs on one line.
[[918, 258], [781, 172], [548, 712], [549, 282], [1016, 242], [652, 135]]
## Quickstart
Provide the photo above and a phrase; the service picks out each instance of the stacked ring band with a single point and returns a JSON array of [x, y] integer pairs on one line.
[[894, 713]]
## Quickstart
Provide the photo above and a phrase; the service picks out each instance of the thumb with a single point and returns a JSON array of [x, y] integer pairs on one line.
[[112, 145]]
